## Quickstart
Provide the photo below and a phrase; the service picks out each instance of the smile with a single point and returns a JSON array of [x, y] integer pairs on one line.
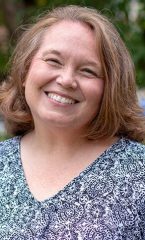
[[60, 99]]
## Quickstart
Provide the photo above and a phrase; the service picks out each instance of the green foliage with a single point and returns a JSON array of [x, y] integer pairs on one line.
[[3, 137], [4, 57]]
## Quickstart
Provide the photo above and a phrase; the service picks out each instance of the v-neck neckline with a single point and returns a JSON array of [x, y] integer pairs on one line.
[[71, 182]]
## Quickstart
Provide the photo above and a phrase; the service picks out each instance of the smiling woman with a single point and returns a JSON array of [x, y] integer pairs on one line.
[[75, 167], [67, 91]]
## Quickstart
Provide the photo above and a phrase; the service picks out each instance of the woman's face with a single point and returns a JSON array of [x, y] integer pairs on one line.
[[64, 84]]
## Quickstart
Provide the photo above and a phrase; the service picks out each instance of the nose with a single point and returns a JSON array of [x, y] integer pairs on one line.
[[67, 79]]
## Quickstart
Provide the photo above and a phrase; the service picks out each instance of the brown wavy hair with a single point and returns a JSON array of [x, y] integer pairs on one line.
[[119, 114]]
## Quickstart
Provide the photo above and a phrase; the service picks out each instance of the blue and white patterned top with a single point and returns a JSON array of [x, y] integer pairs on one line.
[[105, 202]]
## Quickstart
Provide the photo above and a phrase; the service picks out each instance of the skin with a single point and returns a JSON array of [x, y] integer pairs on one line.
[[67, 65]]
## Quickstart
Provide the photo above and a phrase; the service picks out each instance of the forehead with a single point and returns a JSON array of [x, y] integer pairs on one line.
[[70, 28], [68, 35]]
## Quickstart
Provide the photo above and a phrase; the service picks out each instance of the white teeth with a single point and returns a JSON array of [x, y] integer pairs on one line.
[[60, 99]]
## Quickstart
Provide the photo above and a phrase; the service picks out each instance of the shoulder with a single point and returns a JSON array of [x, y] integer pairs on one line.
[[124, 162], [125, 155], [9, 147], [134, 148], [129, 163], [129, 150]]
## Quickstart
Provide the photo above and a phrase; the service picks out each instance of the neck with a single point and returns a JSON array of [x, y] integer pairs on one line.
[[61, 147], [53, 141]]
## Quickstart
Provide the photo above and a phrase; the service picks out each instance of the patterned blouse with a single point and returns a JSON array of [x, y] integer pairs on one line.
[[105, 202]]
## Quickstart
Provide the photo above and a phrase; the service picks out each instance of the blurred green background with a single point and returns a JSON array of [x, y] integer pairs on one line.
[[127, 15]]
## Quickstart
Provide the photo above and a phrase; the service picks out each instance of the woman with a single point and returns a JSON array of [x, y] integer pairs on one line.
[[75, 168]]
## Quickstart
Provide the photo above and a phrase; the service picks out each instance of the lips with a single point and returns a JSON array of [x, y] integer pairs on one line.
[[61, 99]]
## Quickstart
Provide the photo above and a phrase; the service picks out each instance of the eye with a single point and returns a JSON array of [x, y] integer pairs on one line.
[[89, 72], [53, 61]]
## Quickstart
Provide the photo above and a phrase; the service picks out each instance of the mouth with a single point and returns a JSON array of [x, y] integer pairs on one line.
[[60, 99]]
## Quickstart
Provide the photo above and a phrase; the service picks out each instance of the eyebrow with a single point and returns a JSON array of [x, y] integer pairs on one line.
[[52, 51]]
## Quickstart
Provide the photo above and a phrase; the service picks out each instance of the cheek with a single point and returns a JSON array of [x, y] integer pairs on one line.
[[100, 88], [95, 91], [38, 75]]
